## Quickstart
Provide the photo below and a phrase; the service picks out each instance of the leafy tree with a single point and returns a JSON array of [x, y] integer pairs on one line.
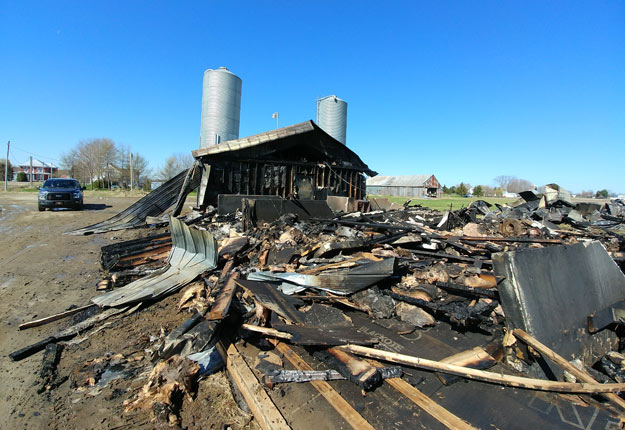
[[445, 189], [477, 191], [462, 189], [498, 191], [21, 177], [602, 194], [2, 164], [452, 190]]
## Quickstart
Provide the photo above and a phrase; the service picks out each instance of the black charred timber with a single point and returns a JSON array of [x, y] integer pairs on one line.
[[510, 239], [51, 358], [458, 311], [613, 370], [31, 349], [356, 370], [372, 225], [118, 250], [493, 247], [449, 256], [385, 238], [468, 291]]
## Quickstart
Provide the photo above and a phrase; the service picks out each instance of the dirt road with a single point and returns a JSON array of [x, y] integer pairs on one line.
[[43, 272]]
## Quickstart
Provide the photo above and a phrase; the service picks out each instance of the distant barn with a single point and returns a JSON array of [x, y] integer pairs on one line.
[[404, 186]]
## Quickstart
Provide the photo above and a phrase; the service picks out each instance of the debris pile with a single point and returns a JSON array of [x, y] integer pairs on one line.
[[395, 304]]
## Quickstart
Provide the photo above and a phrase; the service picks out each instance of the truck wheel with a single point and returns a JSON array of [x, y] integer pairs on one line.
[[41, 208]]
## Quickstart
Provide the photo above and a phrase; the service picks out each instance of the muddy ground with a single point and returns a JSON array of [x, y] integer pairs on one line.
[[43, 272]]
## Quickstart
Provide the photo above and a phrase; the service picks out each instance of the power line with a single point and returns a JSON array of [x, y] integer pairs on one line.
[[37, 155]]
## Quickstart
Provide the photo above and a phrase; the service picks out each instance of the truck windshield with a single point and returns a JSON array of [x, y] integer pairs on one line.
[[56, 183]]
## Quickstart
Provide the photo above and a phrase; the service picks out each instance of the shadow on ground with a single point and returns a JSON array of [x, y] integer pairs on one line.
[[86, 207], [95, 206]]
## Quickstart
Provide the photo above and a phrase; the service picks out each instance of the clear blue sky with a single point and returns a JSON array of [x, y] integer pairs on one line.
[[464, 90]]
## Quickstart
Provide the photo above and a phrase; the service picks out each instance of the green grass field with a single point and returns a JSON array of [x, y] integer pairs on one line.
[[444, 203]]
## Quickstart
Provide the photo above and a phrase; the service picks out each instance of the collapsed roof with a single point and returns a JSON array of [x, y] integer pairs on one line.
[[306, 141]]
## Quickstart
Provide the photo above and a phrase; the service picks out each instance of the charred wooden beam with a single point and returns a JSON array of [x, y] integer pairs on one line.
[[482, 375], [470, 291]]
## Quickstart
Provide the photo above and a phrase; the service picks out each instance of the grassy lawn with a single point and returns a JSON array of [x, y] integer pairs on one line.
[[444, 203]]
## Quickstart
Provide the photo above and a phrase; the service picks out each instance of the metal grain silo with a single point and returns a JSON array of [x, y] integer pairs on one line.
[[332, 117], [221, 107]]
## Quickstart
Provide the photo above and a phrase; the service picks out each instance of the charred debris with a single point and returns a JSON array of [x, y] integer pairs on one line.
[[483, 317]]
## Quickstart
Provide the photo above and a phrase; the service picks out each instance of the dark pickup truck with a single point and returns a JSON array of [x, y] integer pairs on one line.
[[60, 193]]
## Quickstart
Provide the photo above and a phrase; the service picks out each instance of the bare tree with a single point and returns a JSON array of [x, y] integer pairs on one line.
[[139, 167], [69, 162], [123, 156], [502, 181], [174, 165], [518, 185], [105, 153], [488, 191]]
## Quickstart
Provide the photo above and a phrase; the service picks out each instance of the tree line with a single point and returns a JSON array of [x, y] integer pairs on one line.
[[510, 184], [102, 163]]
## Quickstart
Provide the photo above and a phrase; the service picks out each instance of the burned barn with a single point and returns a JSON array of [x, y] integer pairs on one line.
[[369, 317], [300, 162]]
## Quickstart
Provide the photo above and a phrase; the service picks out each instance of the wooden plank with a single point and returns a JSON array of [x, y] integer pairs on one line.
[[55, 317], [348, 413], [475, 358], [581, 375], [267, 331], [481, 375], [219, 310], [437, 412], [265, 411]]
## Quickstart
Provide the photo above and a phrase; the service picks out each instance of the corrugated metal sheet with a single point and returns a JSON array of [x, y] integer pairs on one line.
[[332, 117], [193, 252], [399, 181], [155, 203], [221, 107]]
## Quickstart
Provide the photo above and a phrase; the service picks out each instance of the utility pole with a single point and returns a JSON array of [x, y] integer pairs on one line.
[[6, 167], [131, 173], [276, 115], [30, 172]]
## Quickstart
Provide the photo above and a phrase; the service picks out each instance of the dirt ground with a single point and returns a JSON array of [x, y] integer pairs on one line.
[[43, 272]]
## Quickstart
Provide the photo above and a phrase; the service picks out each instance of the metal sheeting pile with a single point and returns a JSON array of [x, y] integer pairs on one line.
[[155, 203], [193, 252]]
